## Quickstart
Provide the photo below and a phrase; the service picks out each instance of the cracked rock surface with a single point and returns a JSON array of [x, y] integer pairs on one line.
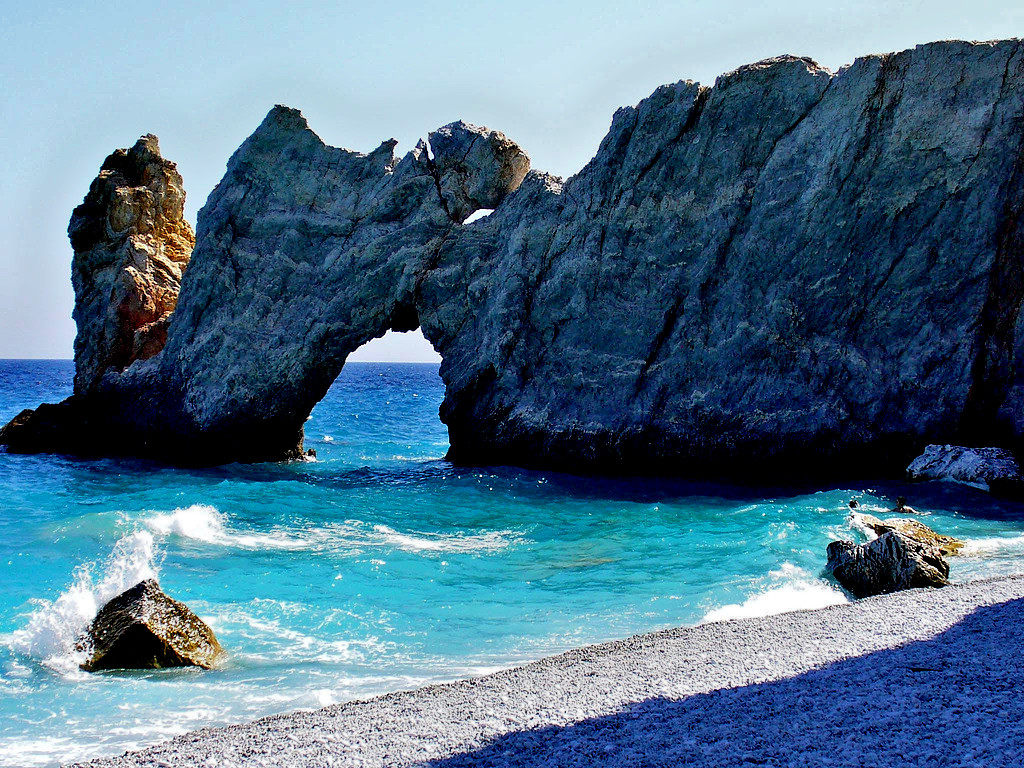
[[990, 469], [144, 628], [790, 271], [892, 562]]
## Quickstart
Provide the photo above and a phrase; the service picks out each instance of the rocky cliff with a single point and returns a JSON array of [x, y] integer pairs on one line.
[[788, 269]]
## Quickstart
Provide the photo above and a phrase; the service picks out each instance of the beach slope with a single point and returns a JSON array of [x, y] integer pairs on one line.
[[917, 678]]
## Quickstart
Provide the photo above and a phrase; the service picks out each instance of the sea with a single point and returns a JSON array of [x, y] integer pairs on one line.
[[381, 567]]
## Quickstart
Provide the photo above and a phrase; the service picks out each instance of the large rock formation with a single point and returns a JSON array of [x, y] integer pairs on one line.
[[793, 268], [143, 628]]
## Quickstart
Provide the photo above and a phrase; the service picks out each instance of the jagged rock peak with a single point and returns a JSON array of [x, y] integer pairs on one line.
[[132, 244], [772, 62]]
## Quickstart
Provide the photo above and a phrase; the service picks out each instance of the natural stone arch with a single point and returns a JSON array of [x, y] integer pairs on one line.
[[789, 271], [304, 253]]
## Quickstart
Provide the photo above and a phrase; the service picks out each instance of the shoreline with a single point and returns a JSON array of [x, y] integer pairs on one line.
[[807, 687]]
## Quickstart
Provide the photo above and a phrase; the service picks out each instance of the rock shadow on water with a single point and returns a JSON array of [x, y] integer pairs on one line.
[[928, 702]]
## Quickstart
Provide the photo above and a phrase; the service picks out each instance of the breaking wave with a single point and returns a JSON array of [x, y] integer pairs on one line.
[[206, 524], [790, 589], [996, 545]]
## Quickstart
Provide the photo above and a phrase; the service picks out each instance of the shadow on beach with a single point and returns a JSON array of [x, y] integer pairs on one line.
[[952, 700]]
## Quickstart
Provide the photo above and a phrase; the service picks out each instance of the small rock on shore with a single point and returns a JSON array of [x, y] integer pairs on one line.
[[143, 628], [888, 564]]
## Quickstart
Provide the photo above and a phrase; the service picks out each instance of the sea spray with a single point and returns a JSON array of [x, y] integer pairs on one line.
[[206, 524], [199, 521], [55, 626]]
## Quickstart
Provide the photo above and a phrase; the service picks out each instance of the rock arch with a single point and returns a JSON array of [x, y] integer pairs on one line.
[[790, 269], [304, 252]]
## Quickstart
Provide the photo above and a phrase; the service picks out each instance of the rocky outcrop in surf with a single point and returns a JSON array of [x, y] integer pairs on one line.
[[143, 628], [890, 563], [990, 469], [911, 529], [789, 271]]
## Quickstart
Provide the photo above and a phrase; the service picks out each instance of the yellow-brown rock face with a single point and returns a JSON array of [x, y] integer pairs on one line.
[[131, 245], [913, 529]]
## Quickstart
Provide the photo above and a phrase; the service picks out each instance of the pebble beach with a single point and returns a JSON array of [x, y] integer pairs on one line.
[[923, 677]]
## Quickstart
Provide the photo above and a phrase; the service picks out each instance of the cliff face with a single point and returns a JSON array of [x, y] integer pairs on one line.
[[784, 268], [788, 268]]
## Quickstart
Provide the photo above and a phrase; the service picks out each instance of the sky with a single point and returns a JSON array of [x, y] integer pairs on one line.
[[78, 80]]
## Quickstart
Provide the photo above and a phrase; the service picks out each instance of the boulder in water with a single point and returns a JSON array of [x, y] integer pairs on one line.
[[888, 564], [143, 628], [912, 529]]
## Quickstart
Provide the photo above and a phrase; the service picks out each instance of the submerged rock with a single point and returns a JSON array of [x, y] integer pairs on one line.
[[786, 272], [143, 628], [889, 563], [990, 469], [912, 529]]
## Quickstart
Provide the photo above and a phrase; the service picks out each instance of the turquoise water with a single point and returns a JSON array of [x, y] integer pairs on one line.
[[380, 566]]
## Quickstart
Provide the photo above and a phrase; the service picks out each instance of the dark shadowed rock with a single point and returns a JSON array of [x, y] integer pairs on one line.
[[143, 628], [790, 271], [889, 563], [14, 425]]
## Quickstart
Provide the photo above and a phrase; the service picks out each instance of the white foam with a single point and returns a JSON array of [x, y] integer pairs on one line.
[[858, 524], [201, 522], [207, 524], [791, 589], [996, 545], [415, 541], [54, 627]]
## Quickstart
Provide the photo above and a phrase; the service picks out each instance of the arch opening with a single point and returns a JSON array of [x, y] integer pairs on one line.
[[382, 409], [395, 346]]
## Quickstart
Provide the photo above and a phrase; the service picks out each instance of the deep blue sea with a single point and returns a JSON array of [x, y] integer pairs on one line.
[[380, 566]]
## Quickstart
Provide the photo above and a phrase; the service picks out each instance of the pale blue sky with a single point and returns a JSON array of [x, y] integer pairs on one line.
[[80, 79]]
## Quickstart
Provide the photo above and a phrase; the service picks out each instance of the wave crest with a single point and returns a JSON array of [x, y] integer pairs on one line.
[[790, 589], [206, 524]]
